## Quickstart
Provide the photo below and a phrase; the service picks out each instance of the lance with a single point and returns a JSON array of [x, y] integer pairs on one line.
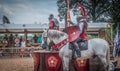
[[68, 13], [80, 7]]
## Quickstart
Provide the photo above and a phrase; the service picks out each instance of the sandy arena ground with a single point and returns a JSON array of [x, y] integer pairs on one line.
[[16, 64], [118, 59], [23, 64]]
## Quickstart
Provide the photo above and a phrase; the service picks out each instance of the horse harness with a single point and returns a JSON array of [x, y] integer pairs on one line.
[[53, 45], [63, 42], [60, 44]]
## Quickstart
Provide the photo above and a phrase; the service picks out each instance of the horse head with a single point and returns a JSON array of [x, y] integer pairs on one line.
[[51, 37], [45, 40]]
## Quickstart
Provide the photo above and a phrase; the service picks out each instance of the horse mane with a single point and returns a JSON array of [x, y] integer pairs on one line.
[[56, 33]]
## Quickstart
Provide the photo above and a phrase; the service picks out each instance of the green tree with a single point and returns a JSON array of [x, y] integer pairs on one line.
[[114, 13], [96, 9]]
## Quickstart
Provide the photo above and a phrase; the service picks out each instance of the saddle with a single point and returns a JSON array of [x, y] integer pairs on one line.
[[83, 44]]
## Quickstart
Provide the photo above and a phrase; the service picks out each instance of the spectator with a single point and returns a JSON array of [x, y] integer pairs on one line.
[[0, 43], [35, 38], [6, 37], [1, 51], [32, 40], [17, 42], [4, 42], [4, 45], [39, 39], [23, 46], [21, 38], [23, 43]]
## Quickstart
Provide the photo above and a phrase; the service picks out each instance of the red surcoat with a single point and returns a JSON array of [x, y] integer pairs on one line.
[[51, 26]]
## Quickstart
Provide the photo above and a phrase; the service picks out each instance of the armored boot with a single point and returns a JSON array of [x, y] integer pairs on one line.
[[75, 48], [78, 51]]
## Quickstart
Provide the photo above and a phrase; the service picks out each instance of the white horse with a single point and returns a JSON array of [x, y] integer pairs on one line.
[[97, 46]]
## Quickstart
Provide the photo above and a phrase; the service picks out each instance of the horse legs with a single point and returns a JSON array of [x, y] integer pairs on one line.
[[65, 63], [104, 63], [65, 54], [118, 51], [105, 59], [65, 60]]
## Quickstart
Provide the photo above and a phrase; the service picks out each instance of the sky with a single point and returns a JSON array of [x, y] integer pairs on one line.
[[28, 11]]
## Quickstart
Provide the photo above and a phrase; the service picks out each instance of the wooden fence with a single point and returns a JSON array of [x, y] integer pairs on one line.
[[12, 51]]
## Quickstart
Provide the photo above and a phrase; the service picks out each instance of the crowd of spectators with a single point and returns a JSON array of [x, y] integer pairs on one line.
[[18, 41], [15, 41]]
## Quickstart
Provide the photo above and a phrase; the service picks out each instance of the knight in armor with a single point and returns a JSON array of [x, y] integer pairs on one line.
[[81, 22], [53, 22]]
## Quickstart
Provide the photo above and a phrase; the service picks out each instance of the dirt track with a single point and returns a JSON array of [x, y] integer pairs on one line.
[[118, 59], [16, 64], [23, 64]]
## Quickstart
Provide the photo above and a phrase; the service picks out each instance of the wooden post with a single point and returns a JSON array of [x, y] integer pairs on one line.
[[102, 33], [25, 35], [111, 29]]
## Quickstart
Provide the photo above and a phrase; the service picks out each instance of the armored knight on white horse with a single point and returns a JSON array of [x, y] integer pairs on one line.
[[97, 46], [62, 42]]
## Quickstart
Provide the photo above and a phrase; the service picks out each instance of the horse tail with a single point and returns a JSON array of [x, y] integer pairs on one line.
[[108, 57]]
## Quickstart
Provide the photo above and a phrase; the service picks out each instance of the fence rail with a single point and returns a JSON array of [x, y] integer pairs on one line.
[[18, 50]]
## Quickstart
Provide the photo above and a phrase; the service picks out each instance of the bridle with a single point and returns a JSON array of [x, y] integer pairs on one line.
[[52, 44], [45, 45]]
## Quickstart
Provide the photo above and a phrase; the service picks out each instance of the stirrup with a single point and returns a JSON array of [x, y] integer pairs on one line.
[[78, 58]]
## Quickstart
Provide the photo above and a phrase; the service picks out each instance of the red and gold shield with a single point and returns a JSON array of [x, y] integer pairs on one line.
[[73, 32]]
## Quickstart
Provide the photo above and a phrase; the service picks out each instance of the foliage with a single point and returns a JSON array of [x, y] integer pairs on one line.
[[61, 8], [114, 13], [96, 9], [91, 36]]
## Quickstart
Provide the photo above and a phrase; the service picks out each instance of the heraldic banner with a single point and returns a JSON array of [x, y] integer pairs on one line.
[[36, 61], [82, 64], [52, 61]]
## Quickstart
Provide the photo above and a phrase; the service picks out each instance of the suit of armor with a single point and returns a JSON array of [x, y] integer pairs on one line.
[[53, 23], [83, 27]]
